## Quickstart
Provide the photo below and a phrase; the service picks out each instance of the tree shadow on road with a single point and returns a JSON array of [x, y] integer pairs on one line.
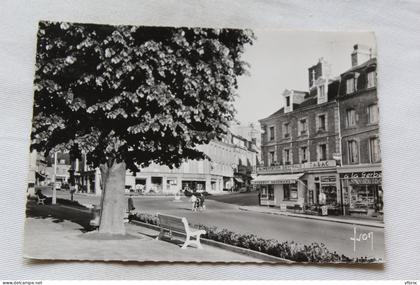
[[60, 214]]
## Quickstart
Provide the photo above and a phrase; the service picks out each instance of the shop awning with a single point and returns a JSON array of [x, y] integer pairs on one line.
[[277, 179], [239, 180]]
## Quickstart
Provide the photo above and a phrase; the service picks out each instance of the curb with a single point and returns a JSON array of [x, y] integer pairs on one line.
[[359, 223], [251, 253]]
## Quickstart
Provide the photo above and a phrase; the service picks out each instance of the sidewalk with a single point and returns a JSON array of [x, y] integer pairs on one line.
[[336, 219], [50, 237]]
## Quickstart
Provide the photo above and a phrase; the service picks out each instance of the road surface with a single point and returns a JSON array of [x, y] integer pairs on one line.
[[336, 236]]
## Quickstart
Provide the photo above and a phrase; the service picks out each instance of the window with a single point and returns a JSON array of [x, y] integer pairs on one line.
[[271, 158], [350, 118], [371, 79], [373, 114], [303, 154], [287, 101], [286, 156], [322, 91], [350, 86], [271, 133], [290, 192], [286, 130], [375, 150], [353, 151], [267, 192], [322, 152], [303, 127], [322, 122], [62, 161]]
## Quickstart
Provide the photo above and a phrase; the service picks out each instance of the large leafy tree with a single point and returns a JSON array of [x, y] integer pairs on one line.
[[128, 96]]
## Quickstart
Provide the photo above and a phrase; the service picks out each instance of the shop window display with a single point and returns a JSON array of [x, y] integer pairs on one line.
[[330, 193], [368, 197], [290, 192], [267, 192]]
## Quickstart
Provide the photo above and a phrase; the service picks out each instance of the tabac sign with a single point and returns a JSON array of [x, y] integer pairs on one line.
[[296, 167]]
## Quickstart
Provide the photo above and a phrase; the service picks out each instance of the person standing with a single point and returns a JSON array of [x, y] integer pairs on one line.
[[193, 200], [130, 204]]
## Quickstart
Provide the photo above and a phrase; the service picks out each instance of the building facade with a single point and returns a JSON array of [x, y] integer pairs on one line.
[[361, 171], [299, 144], [230, 167], [322, 147]]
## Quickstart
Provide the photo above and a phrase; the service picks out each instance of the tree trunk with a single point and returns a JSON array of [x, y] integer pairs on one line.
[[112, 202]]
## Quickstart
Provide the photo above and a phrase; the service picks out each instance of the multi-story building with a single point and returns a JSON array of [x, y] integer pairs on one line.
[[299, 145], [360, 173], [322, 147], [232, 160]]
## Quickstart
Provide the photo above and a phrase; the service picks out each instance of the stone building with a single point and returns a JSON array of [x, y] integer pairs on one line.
[[361, 171], [322, 147], [232, 160], [299, 145]]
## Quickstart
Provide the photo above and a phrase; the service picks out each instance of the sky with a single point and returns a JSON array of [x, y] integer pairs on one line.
[[280, 60]]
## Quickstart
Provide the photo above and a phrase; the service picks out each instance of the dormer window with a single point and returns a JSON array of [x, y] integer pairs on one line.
[[350, 86], [288, 101], [371, 79], [322, 91]]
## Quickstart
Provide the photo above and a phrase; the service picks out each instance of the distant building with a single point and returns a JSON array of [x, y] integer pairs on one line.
[[232, 161], [77, 172]]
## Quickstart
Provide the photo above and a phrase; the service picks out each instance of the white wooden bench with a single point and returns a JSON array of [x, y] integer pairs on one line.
[[175, 224]]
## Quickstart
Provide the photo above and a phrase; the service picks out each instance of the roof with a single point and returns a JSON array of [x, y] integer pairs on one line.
[[311, 100], [361, 66]]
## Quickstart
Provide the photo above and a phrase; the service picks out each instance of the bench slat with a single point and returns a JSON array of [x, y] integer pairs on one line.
[[172, 223], [179, 224]]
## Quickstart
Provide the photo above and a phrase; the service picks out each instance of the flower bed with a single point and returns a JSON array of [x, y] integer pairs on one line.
[[314, 252]]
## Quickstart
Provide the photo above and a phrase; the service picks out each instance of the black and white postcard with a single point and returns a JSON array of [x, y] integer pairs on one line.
[[197, 144]]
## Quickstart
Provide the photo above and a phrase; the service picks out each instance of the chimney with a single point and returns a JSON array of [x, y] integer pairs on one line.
[[360, 54], [321, 69]]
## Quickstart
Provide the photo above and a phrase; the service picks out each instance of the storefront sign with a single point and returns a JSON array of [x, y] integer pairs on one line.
[[296, 167], [275, 182], [365, 178], [328, 179]]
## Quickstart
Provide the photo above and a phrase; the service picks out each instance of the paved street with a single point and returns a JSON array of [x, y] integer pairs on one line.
[[335, 236], [57, 232]]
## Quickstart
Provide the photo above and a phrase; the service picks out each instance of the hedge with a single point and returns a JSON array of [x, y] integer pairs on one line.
[[314, 252]]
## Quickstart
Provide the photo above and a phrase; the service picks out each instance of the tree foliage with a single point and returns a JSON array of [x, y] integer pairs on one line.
[[134, 94]]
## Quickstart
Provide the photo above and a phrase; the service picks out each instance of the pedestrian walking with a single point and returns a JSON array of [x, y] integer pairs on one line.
[[72, 191], [202, 200], [193, 200]]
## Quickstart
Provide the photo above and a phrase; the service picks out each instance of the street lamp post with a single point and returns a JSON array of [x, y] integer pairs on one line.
[[54, 196]]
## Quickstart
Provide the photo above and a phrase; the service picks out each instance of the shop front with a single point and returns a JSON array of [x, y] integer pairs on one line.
[[323, 191], [363, 193], [282, 190], [304, 188]]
